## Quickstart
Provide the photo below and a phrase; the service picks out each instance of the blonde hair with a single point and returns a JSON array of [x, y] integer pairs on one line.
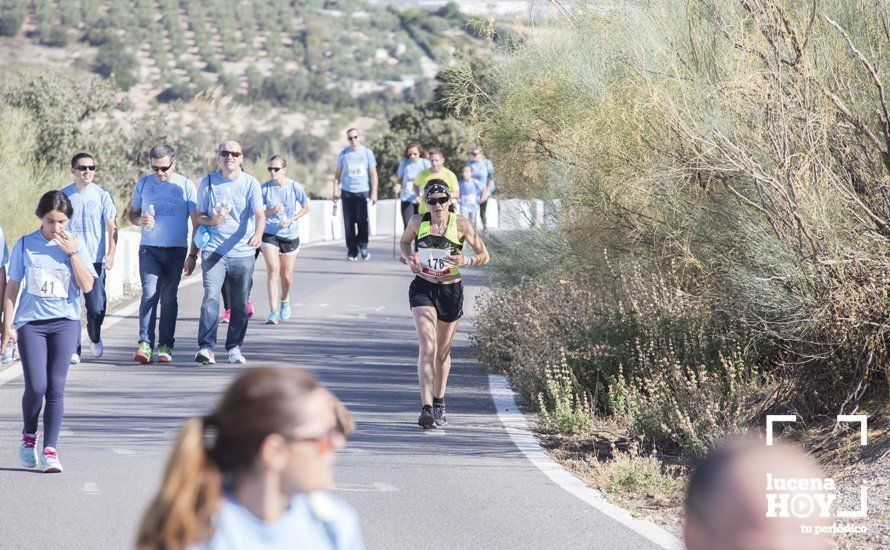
[[261, 402]]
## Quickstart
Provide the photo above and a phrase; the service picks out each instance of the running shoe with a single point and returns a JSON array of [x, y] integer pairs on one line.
[[439, 415], [426, 420], [284, 310], [28, 450], [205, 356], [226, 316], [143, 353], [249, 309], [97, 348], [235, 356], [165, 354], [351, 258], [273, 318], [49, 461], [365, 254], [75, 358]]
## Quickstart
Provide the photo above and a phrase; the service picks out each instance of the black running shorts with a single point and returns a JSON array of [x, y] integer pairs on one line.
[[448, 299], [286, 247]]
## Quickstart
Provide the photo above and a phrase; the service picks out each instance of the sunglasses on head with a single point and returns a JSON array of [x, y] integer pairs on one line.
[[233, 154], [85, 167], [275, 168], [161, 169], [440, 200]]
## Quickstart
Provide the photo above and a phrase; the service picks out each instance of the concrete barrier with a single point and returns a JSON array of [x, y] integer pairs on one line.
[[321, 224]]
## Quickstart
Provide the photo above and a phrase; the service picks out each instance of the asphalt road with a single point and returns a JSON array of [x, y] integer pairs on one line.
[[465, 486]]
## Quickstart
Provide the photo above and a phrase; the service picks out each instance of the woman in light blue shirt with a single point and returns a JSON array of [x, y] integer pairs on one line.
[[256, 472], [48, 267], [415, 162], [285, 202]]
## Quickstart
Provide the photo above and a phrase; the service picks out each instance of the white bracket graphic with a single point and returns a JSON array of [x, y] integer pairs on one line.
[[770, 418], [863, 425]]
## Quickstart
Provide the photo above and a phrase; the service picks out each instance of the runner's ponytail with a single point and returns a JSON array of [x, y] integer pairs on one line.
[[182, 513]]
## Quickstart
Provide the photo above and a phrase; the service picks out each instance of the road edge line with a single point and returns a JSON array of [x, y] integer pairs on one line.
[[516, 426]]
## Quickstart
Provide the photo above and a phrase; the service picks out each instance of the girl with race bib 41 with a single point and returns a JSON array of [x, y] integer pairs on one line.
[[47, 266]]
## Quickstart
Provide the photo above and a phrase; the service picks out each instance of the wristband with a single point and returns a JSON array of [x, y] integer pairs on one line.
[[469, 262], [195, 256], [75, 253]]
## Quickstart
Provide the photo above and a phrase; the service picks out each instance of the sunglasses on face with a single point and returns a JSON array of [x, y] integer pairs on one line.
[[275, 168], [323, 442], [350, 138], [475, 153], [161, 169], [233, 154], [440, 200], [85, 167]]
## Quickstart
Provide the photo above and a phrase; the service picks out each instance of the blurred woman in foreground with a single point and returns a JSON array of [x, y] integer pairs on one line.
[[254, 473]]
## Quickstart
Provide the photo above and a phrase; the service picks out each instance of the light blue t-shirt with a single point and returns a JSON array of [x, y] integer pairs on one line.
[[49, 290], [174, 201], [356, 166], [471, 191], [93, 208], [293, 197], [483, 170], [243, 193], [318, 521], [4, 251], [406, 173]]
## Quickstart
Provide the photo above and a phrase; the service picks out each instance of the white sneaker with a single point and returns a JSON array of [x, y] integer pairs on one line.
[[97, 348], [235, 356], [49, 461], [75, 359], [205, 356]]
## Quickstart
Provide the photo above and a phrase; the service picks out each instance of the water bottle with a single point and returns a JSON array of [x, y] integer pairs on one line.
[[150, 211], [8, 353]]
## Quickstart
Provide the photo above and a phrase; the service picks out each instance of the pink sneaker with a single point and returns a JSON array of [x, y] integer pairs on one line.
[[225, 316], [249, 309]]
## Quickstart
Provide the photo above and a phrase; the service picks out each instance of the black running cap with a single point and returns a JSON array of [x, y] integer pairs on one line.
[[436, 186]]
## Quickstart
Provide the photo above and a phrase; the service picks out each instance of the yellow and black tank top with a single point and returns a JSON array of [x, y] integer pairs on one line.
[[432, 249]]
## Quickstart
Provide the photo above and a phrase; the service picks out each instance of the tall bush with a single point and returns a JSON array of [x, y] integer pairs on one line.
[[742, 144]]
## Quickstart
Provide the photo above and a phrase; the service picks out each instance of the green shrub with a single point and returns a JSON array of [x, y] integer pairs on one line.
[[12, 15], [114, 61]]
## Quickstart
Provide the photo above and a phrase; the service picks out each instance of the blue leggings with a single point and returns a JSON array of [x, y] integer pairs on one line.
[[46, 348]]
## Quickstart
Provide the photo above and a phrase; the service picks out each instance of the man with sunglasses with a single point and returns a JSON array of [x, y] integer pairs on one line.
[[162, 203], [231, 204], [357, 175], [93, 222]]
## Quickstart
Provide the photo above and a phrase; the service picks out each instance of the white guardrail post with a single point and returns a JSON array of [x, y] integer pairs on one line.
[[322, 225]]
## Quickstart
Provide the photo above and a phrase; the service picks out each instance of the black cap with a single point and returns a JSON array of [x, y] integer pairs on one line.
[[436, 186]]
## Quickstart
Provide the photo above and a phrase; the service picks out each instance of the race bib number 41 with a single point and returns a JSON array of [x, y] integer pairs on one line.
[[432, 261], [48, 283]]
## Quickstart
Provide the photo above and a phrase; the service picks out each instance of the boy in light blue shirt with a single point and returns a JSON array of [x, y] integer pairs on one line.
[[357, 175], [162, 204], [95, 226], [285, 202], [483, 170], [230, 204]]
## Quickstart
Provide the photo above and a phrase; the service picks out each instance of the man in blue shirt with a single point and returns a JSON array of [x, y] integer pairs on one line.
[[162, 204], [483, 170], [230, 207], [93, 223], [357, 176], [4, 259]]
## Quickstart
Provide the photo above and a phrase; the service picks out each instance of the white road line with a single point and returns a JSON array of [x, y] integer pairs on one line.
[[90, 488], [124, 452], [517, 428], [370, 488]]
